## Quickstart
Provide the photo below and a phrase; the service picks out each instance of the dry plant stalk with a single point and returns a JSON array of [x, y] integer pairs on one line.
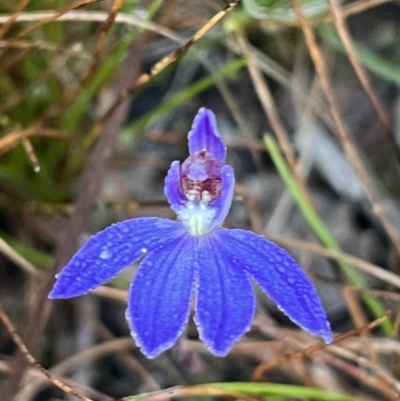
[[261, 369], [7, 25], [341, 25], [13, 138], [73, 6], [267, 102], [101, 41], [347, 144], [165, 62], [363, 376], [31, 359]]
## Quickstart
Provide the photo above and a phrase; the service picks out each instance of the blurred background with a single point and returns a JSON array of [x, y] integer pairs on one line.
[[306, 95]]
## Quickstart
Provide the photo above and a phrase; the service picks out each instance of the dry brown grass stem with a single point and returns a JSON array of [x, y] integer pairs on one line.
[[30, 358], [369, 268], [20, 45], [354, 8], [121, 345], [54, 16], [341, 25], [13, 138], [348, 10], [101, 41], [122, 18], [261, 369], [163, 63], [368, 379], [269, 107], [30, 151], [267, 103], [365, 364], [8, 23], [347, 144], [16, 258], [94, 16], [137, 368], [353, 306]]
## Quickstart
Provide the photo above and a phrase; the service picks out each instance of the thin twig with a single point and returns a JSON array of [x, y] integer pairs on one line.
[[13, 17], [15, 257], [165, 62], [348, 146], [31, 359], [69, 7], [264, 367], [101, 40], [13, 138], [362, 376], [366, 364], [30, 151], [361, 264], [344, 33]]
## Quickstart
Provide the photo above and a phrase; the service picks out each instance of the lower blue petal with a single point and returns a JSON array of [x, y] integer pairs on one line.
[[225, 301], [160, 295], [105, 254], [281, 278]]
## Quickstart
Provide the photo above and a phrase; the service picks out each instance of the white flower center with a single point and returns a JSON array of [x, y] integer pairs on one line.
[[197, 216]]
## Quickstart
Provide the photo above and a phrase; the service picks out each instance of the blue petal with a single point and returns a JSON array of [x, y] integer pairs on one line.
[[105, 254], [160, 296], [205, 136], [225, 301], [279, 276], [223, 203], [172, 187]]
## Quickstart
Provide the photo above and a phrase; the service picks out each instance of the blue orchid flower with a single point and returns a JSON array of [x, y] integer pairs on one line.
[[194, 257]]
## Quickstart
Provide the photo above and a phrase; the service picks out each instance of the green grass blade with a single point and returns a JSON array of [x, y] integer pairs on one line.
[[284, 390], [75, 112], [322, 231], [264, 390], [181, 97]]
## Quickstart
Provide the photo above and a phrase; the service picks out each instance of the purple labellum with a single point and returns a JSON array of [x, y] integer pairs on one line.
[[201, 177], [195, 257]]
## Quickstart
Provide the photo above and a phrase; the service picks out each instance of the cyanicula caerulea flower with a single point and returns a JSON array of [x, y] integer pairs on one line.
[[194, 258]]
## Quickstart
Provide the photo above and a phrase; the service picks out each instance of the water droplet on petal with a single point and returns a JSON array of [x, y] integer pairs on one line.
[[281, 269], [106, 254]]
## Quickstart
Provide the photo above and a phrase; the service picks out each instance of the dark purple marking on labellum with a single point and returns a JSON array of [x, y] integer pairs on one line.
[[201, 177]]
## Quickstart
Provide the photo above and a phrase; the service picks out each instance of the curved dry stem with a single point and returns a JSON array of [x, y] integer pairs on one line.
[[7, 24], [369, 268], [13, 138], [73, 6], [101, 41], [347, 144], [341, 25], [163, 63], [266, 366], [31, 359]]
